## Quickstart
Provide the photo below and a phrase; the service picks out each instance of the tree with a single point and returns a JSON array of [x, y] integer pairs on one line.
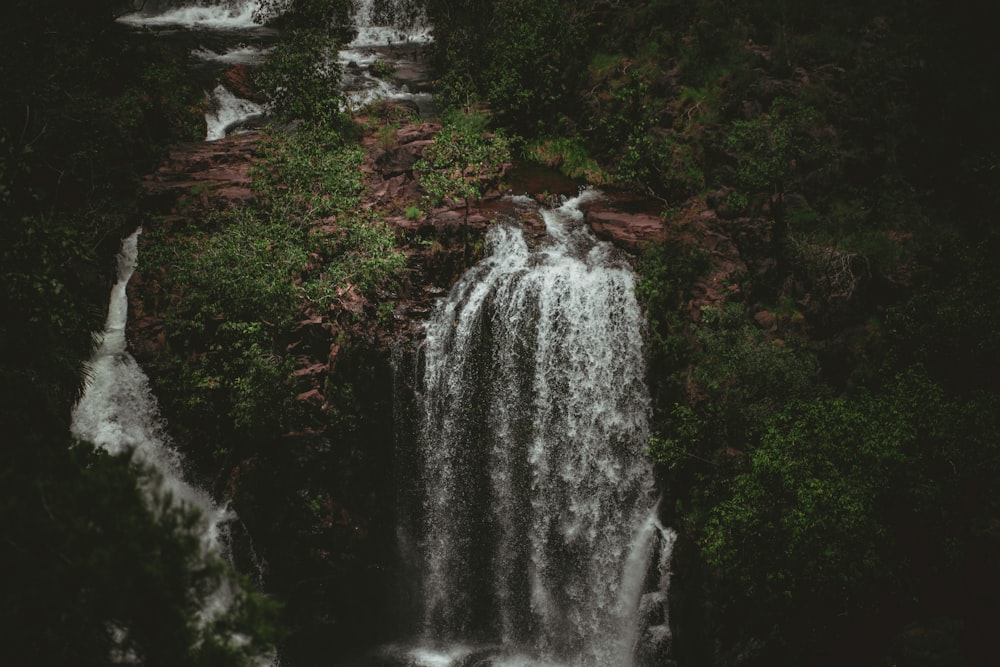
[[840, 493], [464, 162]]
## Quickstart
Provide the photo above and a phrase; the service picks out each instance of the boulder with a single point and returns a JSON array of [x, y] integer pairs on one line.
[[203, 175], [419, 132], [401, 159], [626, 230]]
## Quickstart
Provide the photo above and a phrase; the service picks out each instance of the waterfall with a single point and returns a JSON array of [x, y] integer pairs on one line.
[[390, 31], [118, 412], [382, 22], [227, 111], [538, 526]]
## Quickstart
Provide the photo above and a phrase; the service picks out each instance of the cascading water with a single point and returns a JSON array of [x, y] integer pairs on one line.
[[211, 14], [390, 31], [382, 22], [118, 412], [226, 111], [538, 531], [230, 19]]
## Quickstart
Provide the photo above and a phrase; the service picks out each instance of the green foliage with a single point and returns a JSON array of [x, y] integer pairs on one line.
[[309, 174], [362, 253], [162, 104], [242, 279], [774, 148], [464, 161], [84, 112], [952, 324], [666, 273], [818, 519], [389, 112], [745, 375], [713, 400], [634, 133], [104, 573], [383, 69], [568, 155], [603, 65], [301, 79], [49, 284], [245, 270], [805, 513], [519, 56], [387, 135], [237, 295]]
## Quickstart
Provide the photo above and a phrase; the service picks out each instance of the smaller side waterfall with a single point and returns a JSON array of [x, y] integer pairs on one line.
[[118, 412]]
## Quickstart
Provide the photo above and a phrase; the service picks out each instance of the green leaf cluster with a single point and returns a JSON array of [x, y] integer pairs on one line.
[[241, 277], [718, 405], [301, 78], [838, 490], [773, 148], [464, 161], [308, 174], [520, 56]]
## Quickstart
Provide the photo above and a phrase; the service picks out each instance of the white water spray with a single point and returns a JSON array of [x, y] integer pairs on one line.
[[539, 527], [227, 111], [384, 30], [118, 411], [243, 54], [194, 14], [389, 22]]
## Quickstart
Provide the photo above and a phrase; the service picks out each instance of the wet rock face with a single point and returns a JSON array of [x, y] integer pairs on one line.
[[626, 230], [198, 177]]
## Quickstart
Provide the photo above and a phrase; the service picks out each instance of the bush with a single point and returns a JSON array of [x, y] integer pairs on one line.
[[839, 491], [771, 151], [310, 174], [464, 161], [301, 79], [383, 69], [242, 281], [570, 156]]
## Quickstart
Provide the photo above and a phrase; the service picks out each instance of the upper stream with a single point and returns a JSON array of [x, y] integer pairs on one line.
[[224, 34]]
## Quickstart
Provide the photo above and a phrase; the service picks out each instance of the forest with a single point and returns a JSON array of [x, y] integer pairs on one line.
[[825, 411]]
